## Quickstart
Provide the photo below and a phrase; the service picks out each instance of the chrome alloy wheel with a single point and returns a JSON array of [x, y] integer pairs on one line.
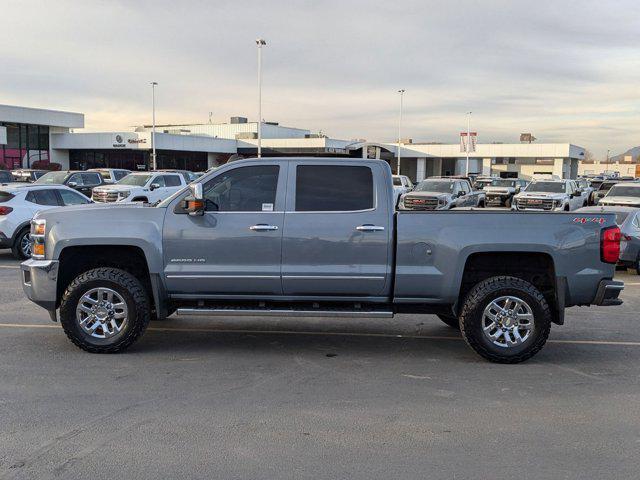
[[102, 312], [508, 321], [25, 246]]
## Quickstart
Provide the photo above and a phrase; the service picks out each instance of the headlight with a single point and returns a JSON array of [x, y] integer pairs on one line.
[[38, 229], [124, 194]]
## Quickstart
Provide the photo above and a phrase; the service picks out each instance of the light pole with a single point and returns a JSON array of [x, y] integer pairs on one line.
[[260, 42], [401, 92], [468, 147], [153, 127]]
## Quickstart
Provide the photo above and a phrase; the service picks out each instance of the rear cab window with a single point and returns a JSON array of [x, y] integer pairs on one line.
[[333, 188]]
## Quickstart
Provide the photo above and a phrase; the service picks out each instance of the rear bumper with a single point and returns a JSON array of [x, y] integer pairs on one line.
[[608, 293], [40, 281]]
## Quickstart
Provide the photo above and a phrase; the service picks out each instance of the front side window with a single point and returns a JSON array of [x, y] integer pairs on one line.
[[77, 179], [172, 180], [159, 181], [333, 188], [91, 178], [243, 189], [43, 197], [70, 197]]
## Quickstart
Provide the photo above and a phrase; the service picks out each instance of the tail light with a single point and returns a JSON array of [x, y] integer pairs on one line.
[[610, 244], [5, 210]]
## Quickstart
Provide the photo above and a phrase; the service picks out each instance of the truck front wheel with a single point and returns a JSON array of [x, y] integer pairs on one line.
[[505, 319], [104, 310]]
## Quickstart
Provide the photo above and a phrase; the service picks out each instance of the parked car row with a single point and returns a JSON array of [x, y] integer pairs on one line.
[[20, 201]]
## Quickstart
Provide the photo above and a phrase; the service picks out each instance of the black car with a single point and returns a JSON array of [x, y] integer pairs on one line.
[[5, 177], [83, 182], [27, 175]]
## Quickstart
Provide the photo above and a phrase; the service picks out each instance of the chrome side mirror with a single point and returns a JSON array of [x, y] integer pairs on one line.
[[194, 203]]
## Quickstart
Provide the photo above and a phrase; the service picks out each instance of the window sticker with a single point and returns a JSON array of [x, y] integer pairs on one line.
[[267, 207]]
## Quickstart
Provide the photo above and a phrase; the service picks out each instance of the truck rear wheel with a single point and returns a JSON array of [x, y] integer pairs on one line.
[[104, 310], [505, 319], [450, 320]]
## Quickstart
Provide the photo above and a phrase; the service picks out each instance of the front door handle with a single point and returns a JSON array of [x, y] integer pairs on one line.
[[261, 227], [370, 228]]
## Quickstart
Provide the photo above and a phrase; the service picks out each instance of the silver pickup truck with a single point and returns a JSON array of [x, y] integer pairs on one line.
[[316, 237]]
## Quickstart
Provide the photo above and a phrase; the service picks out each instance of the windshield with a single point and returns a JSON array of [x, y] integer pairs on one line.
[[52, 178], [606, 185], [135, 180], [441, 186], [624, 191], [547, 187], [503, 183]]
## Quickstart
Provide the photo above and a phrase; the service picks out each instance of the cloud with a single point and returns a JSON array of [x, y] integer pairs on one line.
[[565, 70]]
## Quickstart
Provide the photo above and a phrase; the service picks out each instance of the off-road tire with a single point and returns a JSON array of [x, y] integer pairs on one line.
[[15, 248], [124, 284], [450, 320], [472, 312]]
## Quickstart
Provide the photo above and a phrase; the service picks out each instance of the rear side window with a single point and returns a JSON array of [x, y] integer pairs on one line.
[[120, 174], [172, 181], [5, 197], [43, 197], [333, 188]]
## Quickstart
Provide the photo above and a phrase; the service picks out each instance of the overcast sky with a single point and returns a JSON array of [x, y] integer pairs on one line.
[[567, 71]]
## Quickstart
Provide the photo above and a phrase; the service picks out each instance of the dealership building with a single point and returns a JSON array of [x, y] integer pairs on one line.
[[32, 137]]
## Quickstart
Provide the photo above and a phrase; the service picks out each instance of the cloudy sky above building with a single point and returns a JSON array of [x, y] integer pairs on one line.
[[567, 71]]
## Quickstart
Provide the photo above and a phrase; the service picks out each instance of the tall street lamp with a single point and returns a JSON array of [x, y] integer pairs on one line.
[[260, 42], [153, 128], [468, 149], [401, 92]]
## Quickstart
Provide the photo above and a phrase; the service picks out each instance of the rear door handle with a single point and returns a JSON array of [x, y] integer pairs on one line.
[[261, 227], [370, 228]]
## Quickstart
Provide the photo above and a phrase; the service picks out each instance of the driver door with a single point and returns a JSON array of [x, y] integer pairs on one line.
[[236, 246]]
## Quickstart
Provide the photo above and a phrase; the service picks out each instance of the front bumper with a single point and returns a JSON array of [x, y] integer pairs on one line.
[[40, 282], [608, 292]]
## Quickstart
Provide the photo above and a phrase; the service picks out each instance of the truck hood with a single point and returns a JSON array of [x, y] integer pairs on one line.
[[543, 195], [116, 188], [423, 194], [620, 201], [502, 190]]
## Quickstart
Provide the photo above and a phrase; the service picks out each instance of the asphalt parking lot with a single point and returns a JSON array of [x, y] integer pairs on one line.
[[266, 398]]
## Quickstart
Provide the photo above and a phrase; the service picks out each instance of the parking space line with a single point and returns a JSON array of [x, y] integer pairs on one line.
[[336, 334], [10, 267]]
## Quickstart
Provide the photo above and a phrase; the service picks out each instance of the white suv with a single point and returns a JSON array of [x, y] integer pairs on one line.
[[148, 187], [19, 202]]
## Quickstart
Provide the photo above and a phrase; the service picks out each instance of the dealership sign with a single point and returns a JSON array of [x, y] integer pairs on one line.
[[121, 142]]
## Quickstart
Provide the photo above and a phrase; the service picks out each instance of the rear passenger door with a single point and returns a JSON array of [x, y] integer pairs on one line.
[[336, 231]]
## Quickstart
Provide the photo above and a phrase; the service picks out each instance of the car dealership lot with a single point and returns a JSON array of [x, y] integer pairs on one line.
[[318, 398]]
